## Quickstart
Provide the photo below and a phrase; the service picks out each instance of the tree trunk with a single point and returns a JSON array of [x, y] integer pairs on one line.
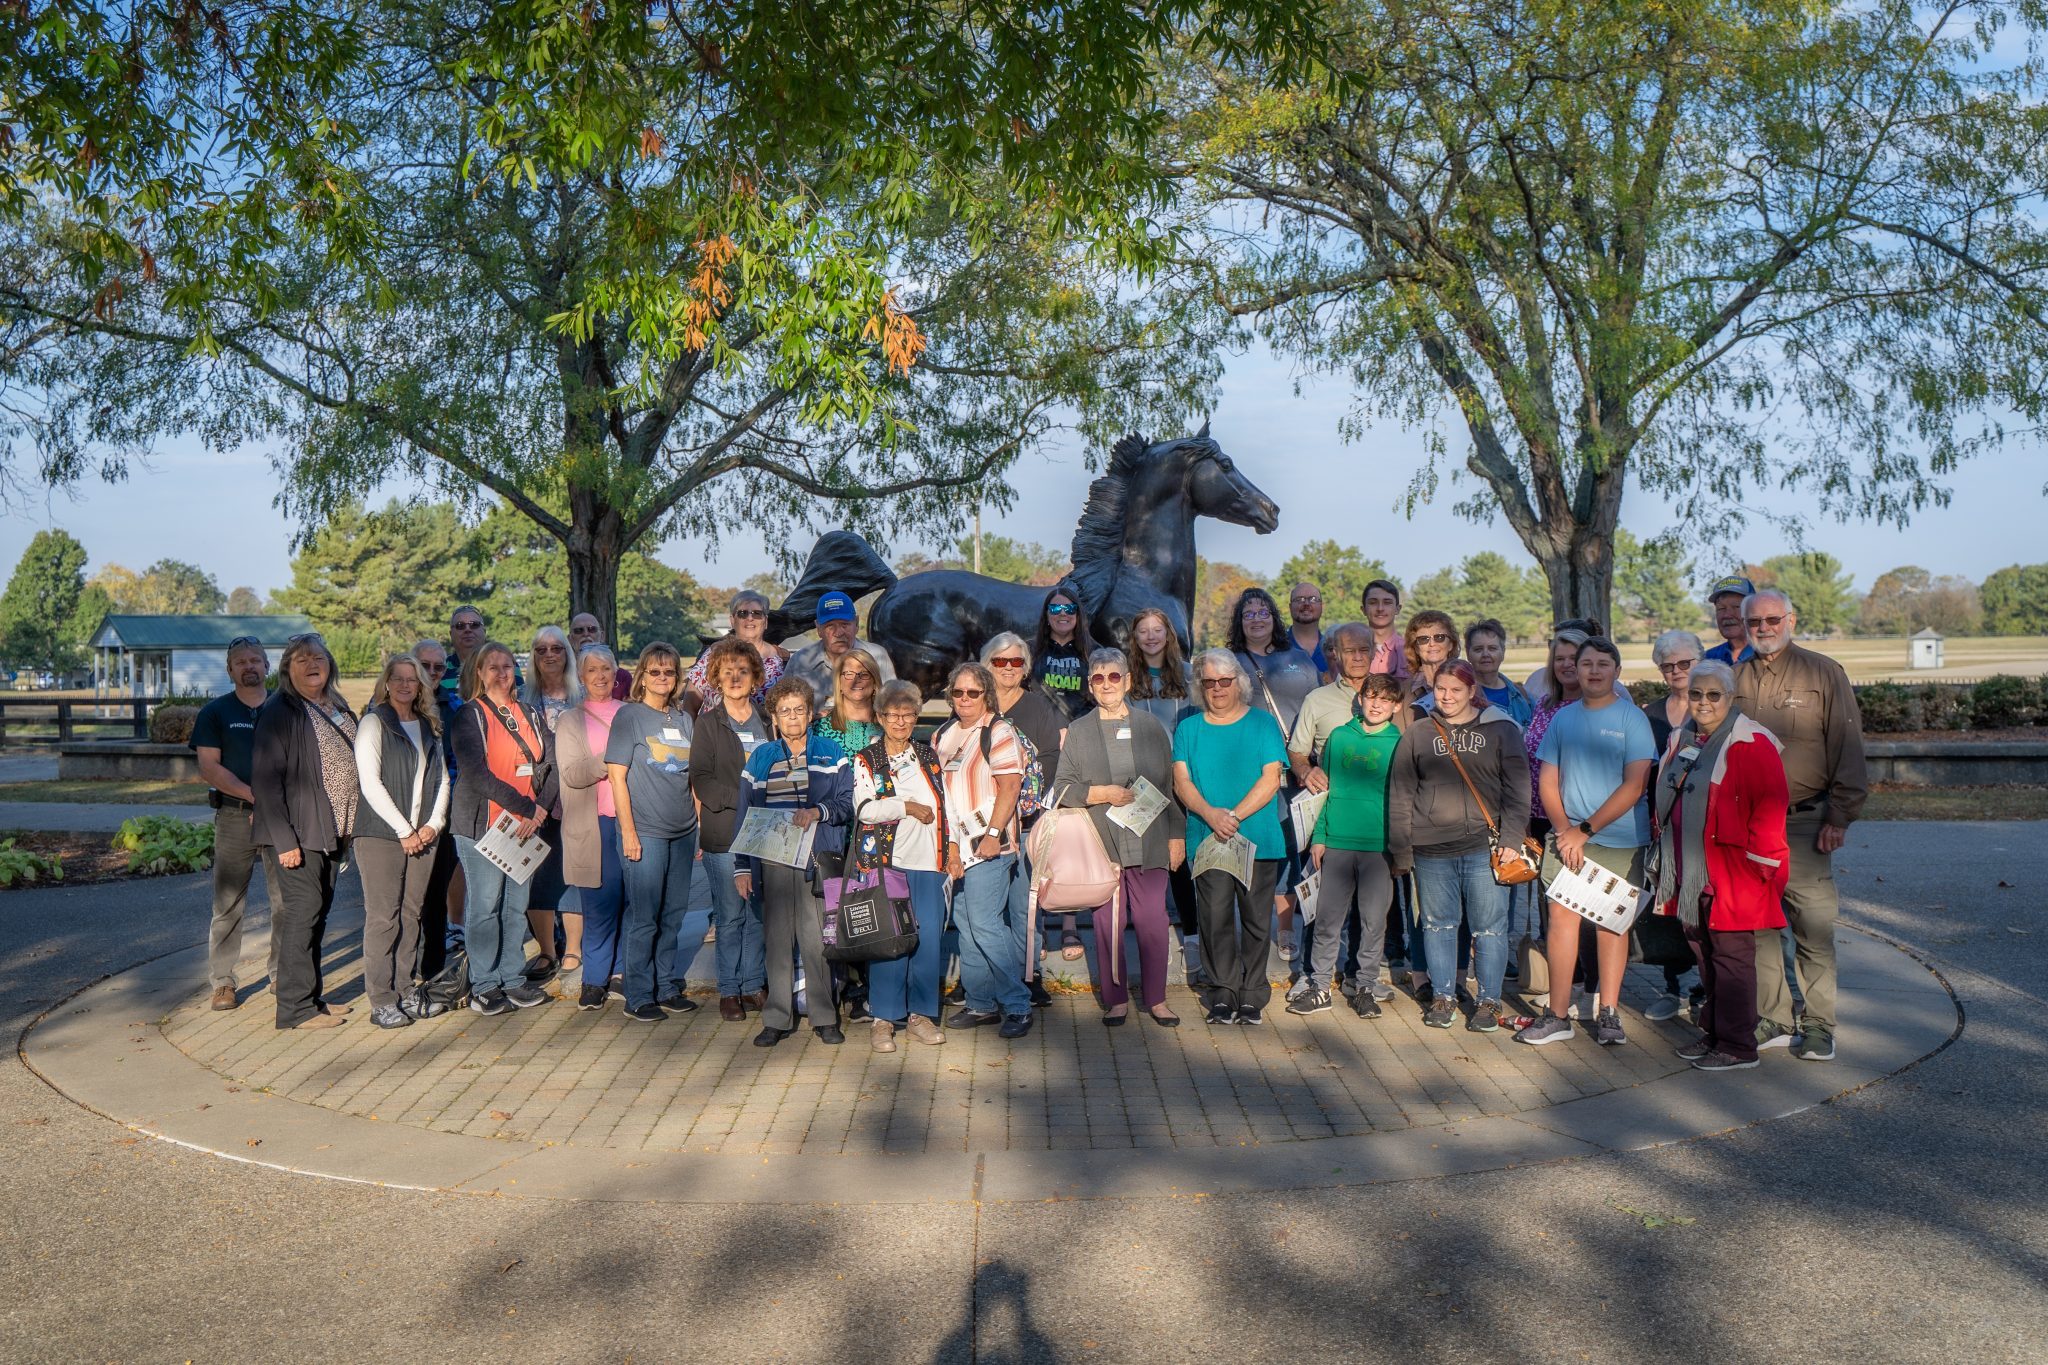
[[596, 548], [1582, 577]]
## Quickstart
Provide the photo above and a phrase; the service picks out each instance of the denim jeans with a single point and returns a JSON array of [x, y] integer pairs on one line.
[[602, 907], [493, 921], [657, 897], [742, 957], [991, 939], [909, 985], [1448, 890]]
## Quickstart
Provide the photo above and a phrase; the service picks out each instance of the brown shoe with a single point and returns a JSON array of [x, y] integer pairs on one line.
[[756, 1000], [320, 1021], [224, 997], [731, 1009], [883, 1036], [925, 1031]]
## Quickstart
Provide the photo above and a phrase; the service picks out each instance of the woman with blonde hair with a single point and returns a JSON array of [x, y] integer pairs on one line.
[[553, 689], [404, 781], [848, 719], [648, 760]]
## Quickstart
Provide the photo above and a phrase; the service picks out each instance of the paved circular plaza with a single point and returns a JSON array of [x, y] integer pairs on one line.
[[565, 1103]]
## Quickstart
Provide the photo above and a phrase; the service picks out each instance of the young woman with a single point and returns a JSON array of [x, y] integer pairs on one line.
[[1460, 775], [1431, 641], [1062, 641], [1561, 679], [1596, 755], [983, 767], [1227, 766], [1044, 724], [1381, 603], [749, 614], [1159, 679], [729, 730], [1281, 675], [504, 757], [900, 823], [849, 721], [553, 689], [1486, 648], [1108, 750], [405, 807], [303, 779], [805, 773], [647, 761], [590, 823]]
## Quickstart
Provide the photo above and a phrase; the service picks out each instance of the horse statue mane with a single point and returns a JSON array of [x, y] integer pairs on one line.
[[1099, 535]]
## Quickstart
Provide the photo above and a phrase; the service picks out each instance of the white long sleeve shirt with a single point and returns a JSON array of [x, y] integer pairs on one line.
[[370, 776]]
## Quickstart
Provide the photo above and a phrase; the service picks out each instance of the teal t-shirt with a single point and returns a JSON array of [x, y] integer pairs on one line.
[[1226, 761], [1359, 763], [1590, 750]]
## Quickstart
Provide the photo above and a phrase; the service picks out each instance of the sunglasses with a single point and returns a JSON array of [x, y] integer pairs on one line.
[[304, 636], [1307, 601], [465, 625], [1105, 677], [1701, 694], [1755, 621], [241, 640], [1009, 662], [1437, 639], [1061, 609], [1212, 683], [435, 669], [749, 614], [1677, 666], [960, 692]]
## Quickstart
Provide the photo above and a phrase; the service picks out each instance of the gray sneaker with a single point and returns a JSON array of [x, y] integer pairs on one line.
[[1815, 1045], [1486, 1019], [1696, 1049], [1607, 1030], [1442, 1010], [1769, 1034], [1382, 990], [1721, 1061], [1548, 1029]]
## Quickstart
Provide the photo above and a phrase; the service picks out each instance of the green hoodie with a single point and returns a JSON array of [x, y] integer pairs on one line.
[[1359, 762]]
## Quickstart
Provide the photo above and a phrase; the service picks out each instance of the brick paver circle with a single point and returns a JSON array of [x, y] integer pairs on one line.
[[556, 1074]]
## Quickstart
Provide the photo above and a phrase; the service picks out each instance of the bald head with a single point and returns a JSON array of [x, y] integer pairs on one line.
[[585, 629]]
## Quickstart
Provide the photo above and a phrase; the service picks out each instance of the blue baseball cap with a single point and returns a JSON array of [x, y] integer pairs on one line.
[[1734, 582], [835, 606]]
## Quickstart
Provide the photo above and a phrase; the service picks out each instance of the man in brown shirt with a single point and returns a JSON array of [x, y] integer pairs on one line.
[[1805, 700]]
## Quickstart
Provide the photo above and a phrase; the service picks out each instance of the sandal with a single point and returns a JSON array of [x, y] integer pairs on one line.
[[1070, 946], [571, 963]]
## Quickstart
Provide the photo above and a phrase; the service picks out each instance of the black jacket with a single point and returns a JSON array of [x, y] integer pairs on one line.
[[292, 809], [717, 759]]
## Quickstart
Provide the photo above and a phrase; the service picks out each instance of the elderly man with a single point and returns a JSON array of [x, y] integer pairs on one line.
[[1804, 699], [818, 663], [1725, 599], [224, 740], [585, 629], [1305, 606]]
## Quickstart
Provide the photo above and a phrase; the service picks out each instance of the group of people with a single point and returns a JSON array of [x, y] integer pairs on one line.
[[1437, 786]]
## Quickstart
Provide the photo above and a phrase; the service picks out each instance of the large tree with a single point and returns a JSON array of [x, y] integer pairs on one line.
[[1341, 571], [1821, 590], [1716, 248], [169, 587], [40, 608]]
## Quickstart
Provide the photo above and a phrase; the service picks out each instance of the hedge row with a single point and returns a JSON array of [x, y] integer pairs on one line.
[[2001, 702]]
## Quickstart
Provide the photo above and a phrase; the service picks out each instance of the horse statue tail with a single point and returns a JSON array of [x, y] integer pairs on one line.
[[841, 560]]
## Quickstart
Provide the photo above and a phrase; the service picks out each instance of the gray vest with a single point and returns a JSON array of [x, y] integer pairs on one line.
[[400, 760]]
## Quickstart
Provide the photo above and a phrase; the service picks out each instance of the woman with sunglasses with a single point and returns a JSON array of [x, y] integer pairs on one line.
[[1062, 640], [590, 822], [1281, 675], [404, 810], [552, 691], [1109, 749], [749, 614], [1721, 802], [647, 761], [983, 768], [1044, 724], [1431, 641]]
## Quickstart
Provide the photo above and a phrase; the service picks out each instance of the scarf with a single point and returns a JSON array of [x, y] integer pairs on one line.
[[1682, 872]]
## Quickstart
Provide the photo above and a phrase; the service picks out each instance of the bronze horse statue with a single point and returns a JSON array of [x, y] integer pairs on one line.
[[1133, 548]]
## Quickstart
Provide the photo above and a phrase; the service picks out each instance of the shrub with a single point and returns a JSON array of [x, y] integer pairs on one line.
[[1648, 691], [21, 867], [1887, 708], [1945, 706], [164, 843], [2003, 701], [172, 723]]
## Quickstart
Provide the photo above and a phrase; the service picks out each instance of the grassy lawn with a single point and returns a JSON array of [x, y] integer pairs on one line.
[[154, 791], [1889, 802]]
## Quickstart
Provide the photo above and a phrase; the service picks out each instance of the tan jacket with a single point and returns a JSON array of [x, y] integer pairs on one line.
[[582, 772], [1805, 700]]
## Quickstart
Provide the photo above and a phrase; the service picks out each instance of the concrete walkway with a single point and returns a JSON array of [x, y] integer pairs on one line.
[[88, 817]]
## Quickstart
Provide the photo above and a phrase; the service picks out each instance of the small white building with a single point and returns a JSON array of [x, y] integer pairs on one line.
[[159, 656], [1926, 649]]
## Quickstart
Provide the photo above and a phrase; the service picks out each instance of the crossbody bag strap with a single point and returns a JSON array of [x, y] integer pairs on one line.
[[1259, 669], [1452, 749], [513, 730]]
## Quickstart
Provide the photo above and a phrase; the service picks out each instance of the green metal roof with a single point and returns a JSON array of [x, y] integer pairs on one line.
[[194, 632]]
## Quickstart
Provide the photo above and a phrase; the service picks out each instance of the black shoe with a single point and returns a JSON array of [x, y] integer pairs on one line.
[[492, 1001], [541, 969], [965, 1018], [647, 1014], [958, 995], [1309, 1002], [829, 1034], [1221, 1014], [770, 1036], [1014, 1026], [1364, 1006], [1250, 1016], [615, 989], [680, 1004], [1115, 1020], [855, 1007], [1040, 996], [590, 998], [525, 996]]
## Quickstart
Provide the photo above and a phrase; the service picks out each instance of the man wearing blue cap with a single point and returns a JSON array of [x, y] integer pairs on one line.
[[818, 663], [1726, 598]]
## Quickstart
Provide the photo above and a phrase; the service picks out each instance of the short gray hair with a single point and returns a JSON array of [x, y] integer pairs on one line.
[[1226, 662], [899, 692], [741, 598], [1775, 594], [1109, 654], [1660, 652], [1005, 643], [1350, 630], [1717, 671], [598, 648], [418, 645]]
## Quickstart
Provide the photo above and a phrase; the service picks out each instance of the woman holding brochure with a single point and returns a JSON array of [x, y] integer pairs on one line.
[[729, 728], [806, 775], [590, 821], [1227, 762], [1109, 751], [647, 761]]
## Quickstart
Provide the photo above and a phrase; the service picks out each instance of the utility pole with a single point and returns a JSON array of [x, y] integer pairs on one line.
[[977, 537]]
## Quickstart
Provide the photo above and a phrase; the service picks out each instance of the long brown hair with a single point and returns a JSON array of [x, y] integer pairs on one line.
[[423, 709], [1173, 671], [298, 645]]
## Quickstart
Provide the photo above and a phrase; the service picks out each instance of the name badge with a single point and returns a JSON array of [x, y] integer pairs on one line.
[[1124, 733], [1689, 754], [671, 735], [956, 763], [746, 737], [523, 770]]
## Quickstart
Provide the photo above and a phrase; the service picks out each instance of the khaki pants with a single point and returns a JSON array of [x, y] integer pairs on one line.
[[235, 858], [1810, 909]]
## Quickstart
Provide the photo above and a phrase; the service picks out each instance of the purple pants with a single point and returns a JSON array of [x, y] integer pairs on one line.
[[1144, 895]]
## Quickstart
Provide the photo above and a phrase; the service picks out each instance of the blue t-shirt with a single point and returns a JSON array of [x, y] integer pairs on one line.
[[654, 749], [1226, 761], [1514, 701], [1725, 653], [1590, 750]]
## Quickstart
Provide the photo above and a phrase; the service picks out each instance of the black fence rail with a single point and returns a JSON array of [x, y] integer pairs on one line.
[[60, 720]]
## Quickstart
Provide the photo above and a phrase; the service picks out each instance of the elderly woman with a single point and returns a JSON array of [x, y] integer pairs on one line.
[[404, 809], [1043, 722], [647, 761], [1108, 750], [552, 690], [1431, 641], [1674, 652], [983, 766], [729, 729], [805, 774], [590, 823], [303, 779], [749, 612], [1486, 648], [1227, 762], [1721, 804], [1280, 675], [504, 756], [900, 822]]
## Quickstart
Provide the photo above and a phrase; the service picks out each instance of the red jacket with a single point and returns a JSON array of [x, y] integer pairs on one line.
[[1748, 860]]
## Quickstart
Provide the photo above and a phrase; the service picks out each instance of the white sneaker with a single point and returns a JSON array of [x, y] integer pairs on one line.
[[1662, 1008]]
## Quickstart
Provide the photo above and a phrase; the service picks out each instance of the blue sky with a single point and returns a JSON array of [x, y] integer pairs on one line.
[[215, 510]]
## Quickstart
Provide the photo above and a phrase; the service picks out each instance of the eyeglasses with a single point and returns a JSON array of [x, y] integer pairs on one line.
[[1105, 677], [549, 649], [1061, 609], [899, 718], [1701, 694], [1437, 639], [1677, 666], [1755, 621], [793, 713], [1008, 662], [1257, 614], [853, 675], [749, 614], [960, 692], [1209, 684], [1308, 601]]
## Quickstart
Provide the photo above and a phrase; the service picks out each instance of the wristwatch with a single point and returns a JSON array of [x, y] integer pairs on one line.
[[1585, 826]]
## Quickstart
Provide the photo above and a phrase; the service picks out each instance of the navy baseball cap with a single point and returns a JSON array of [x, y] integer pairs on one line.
[[1734, 582], [835, 606]]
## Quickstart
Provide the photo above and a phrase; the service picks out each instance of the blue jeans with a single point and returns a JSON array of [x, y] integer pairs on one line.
[[493, 921], [602, 905], [905, 986], [991, 939], [1448, 890], [742, 955], [657, 897]]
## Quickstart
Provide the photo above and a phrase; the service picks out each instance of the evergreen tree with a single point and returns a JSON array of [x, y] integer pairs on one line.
[[39, 610]]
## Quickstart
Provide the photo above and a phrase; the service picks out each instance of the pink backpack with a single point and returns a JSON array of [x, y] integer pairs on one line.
[[1071, 870]]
